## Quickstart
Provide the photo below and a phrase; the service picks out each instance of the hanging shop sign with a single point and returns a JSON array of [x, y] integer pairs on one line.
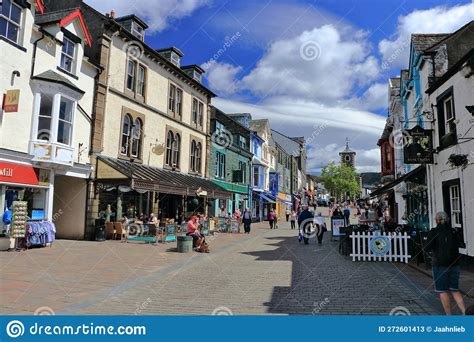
[[11, 100], [20, 174], [274, 183], [418, 148]]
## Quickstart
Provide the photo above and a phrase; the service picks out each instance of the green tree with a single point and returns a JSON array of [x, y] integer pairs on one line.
[[340, 180]]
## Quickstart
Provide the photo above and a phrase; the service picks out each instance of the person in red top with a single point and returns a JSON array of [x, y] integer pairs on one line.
[[192, 229], [271, 219]]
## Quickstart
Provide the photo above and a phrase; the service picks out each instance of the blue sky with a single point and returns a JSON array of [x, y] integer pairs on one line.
[[317, 69]]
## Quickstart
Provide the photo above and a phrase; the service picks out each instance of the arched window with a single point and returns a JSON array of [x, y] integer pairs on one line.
[[169, 148], [193, 156], [198, 157], [137, 138], [126, 130], [176, 150]]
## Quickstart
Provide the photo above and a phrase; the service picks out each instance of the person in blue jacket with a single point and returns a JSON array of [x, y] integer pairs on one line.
[[7, 220]]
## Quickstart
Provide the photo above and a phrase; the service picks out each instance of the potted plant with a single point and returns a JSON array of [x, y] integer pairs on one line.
[[458, 160]]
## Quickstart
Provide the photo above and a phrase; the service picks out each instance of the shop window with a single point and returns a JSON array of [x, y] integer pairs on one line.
[[10, 21], [68, 55]]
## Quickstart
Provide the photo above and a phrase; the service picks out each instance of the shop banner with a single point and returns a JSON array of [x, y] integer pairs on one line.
[[274, 329], [20, 174], [11, 101]]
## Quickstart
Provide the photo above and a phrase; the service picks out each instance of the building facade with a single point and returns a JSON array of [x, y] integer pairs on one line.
[[230, 162], [45, 123]]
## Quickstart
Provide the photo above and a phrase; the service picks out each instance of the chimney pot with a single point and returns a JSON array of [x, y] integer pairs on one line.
[[112, 14]]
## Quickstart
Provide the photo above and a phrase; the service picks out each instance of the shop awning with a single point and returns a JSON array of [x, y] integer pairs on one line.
[[147, 178], [266, 198], [279, 198], [389, 187], [241, 189]]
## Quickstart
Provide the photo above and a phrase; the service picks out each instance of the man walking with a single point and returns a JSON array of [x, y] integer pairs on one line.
[[321, 226], [305, 221], [444, 243]]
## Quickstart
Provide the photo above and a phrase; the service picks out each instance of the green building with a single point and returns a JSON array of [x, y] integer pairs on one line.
[[229, 162]]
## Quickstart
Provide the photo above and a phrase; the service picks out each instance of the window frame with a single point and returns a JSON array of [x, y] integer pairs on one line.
[[65, 55], [141, 80], [136, 32], [455, 213], [136, 82], [9, 21]]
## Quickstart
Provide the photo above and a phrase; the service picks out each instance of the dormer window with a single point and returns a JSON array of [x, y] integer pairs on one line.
[[138, 31], [197, 76], [67, 55], [175, 59]]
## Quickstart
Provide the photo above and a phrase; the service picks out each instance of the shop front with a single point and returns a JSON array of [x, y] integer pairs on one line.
[[125, 189], [22, 182], [240, 199]]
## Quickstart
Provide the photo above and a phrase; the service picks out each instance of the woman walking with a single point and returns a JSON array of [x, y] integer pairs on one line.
[[293, 219], [271, 218]]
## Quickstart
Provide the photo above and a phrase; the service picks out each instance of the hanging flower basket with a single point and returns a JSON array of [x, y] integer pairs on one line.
[[458, 160]]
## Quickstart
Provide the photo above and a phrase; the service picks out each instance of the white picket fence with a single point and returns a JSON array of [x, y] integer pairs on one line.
[[397, 250]]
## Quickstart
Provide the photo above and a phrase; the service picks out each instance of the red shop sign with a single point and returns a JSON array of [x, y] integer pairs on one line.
[[20, 174]]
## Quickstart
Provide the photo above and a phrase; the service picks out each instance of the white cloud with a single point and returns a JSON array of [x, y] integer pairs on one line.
[[324, 127], [156, 13], [322, 64], [222, 77], [375, 97], [440, 19]]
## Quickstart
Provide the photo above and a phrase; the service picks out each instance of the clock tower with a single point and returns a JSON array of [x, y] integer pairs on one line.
[[348, 156]]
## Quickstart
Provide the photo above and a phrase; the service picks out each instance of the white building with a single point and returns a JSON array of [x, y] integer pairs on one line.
[[448, 76], [45, 124]]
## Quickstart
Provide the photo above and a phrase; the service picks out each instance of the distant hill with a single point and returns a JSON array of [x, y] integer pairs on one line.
[[370, 178]]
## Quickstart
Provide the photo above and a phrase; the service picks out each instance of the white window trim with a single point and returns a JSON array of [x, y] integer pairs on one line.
[[19, 25], [451, 201], [73, 57], [53, 137]]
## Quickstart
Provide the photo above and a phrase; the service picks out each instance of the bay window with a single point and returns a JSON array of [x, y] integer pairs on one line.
[[10, 20], [55, 118], [66, 108]]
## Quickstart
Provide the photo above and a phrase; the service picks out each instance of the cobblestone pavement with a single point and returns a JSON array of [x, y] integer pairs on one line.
[[266, 272]]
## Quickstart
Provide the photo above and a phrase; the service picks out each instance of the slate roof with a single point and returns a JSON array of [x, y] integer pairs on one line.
[[53, 17], [51, 76], [258, 125], [422, 41], [287, 144]]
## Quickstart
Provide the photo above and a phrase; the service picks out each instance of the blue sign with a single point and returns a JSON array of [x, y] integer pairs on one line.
[[274, 183], [380, 245]]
